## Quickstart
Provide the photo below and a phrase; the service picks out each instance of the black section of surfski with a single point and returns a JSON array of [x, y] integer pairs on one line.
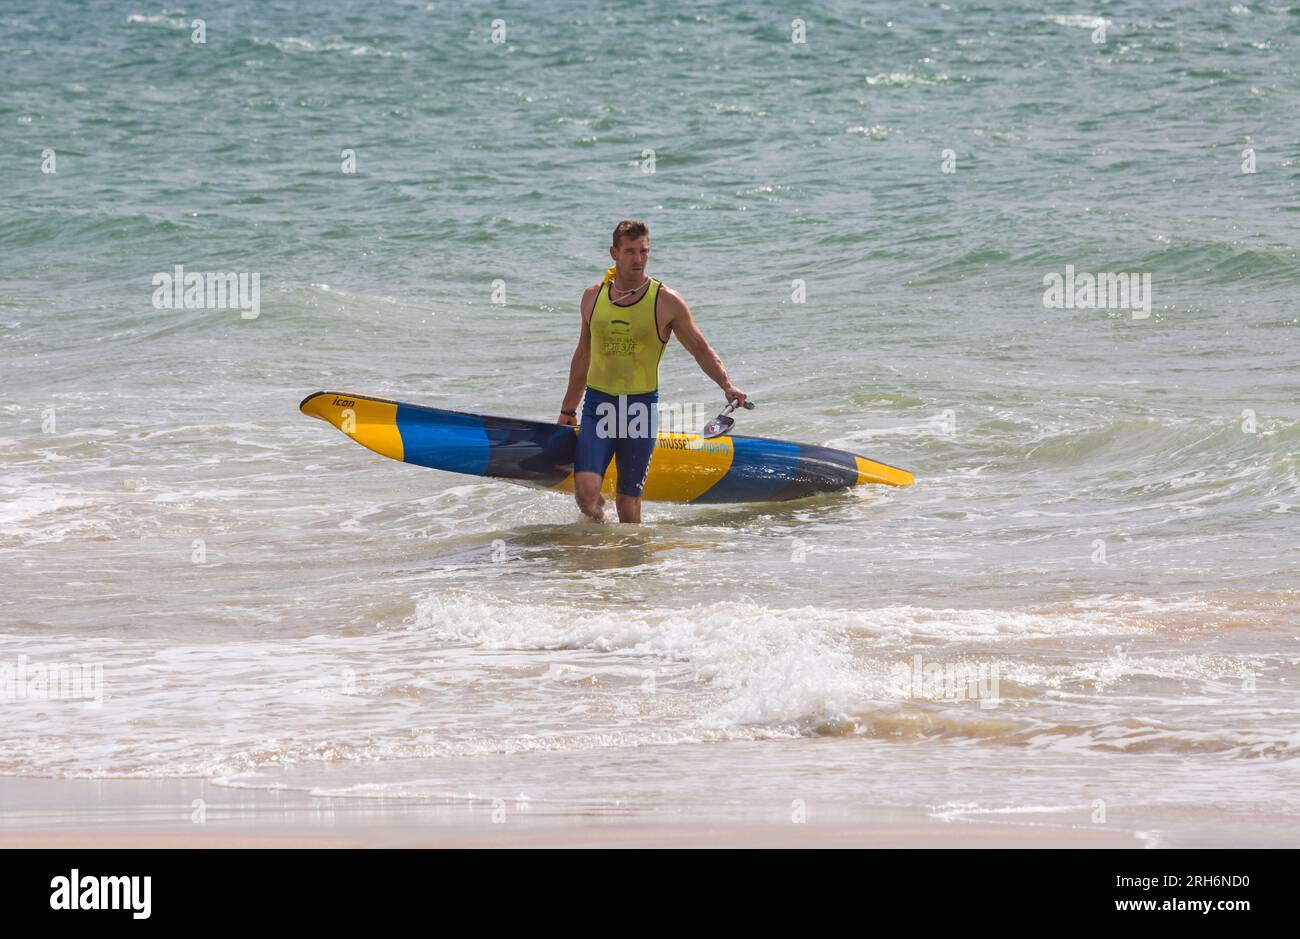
[[821, 469], [541, 454]]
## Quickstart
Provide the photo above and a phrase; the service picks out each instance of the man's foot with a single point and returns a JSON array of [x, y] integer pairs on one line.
[[598, 514]]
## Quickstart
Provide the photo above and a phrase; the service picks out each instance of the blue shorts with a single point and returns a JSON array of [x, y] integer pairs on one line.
[[626, 429]]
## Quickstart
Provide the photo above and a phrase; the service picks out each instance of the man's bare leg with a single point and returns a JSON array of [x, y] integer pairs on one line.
[[629, 508], [586, 490]]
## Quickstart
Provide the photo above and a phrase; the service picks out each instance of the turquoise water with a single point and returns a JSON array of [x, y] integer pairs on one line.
[[1105, 507]]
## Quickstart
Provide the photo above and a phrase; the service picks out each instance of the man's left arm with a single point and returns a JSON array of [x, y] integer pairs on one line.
[[683, 326]]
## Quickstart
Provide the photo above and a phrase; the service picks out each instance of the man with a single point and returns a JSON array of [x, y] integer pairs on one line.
[[626, 322]]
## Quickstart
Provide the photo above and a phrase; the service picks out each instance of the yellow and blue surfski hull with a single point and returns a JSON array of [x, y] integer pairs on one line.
[[684, 468]]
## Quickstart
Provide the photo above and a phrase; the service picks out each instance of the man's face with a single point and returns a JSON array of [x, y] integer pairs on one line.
[[631, 255]]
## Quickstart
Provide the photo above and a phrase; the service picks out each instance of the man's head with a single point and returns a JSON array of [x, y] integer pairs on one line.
[[631, 249]]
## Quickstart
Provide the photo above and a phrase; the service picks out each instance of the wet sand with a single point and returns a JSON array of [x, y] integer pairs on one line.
[[178, 813]]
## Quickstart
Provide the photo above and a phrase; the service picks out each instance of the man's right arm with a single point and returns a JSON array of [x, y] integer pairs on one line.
[[581, 359]]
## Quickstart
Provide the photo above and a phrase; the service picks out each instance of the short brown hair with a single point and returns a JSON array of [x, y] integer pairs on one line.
[[630, 228]]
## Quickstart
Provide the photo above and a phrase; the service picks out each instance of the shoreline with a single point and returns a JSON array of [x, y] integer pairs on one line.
[[181, 813]]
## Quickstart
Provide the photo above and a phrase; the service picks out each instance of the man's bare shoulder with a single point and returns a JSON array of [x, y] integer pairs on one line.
[[672, 301], [589, 298]]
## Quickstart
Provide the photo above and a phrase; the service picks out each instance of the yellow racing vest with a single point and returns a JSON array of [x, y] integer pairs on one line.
[[625, 343]]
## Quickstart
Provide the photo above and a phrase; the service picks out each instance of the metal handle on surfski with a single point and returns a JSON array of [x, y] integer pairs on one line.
[[731, 406]]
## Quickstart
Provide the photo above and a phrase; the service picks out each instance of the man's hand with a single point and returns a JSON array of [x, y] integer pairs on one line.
[[568, 420], [735, 394]]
